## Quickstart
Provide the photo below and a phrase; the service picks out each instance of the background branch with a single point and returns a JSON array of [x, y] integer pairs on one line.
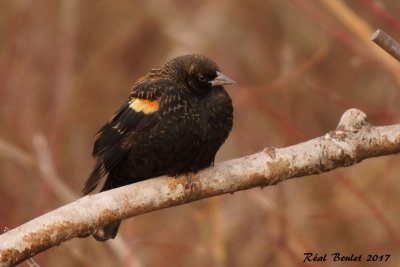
[[353, 141], [387, 43]]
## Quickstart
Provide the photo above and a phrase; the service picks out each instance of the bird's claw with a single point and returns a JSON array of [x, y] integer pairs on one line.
[[190, 182]]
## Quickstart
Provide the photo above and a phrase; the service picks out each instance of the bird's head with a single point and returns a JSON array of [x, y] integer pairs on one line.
[[198, 73]]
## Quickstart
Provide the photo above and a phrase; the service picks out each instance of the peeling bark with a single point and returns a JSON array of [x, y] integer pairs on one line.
[[353, 141]]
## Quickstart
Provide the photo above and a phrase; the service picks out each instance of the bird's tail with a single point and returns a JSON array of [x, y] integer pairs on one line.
[[107, 232], [110, 230]]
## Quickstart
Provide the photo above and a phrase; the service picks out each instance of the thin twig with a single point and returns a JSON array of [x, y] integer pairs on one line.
[[46, 167], [387, 43], [15, 153]]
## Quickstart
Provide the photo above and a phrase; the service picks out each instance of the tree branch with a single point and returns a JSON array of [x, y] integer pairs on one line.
[[353, 141], [387, 43]]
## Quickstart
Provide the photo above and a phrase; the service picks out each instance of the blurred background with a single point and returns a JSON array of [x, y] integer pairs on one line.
[[67, 65]]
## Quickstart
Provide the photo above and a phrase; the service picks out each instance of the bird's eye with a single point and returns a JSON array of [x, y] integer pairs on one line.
[[202, 78]]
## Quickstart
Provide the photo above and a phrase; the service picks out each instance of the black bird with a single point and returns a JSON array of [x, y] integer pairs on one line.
[[173, 122]]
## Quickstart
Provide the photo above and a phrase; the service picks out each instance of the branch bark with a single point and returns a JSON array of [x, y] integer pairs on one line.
[[353, 141], [387, 43]]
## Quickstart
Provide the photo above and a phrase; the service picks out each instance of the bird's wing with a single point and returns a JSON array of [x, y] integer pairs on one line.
[[135, 116]]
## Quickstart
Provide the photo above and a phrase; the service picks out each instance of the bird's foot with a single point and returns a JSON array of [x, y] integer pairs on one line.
[[190, 183], [189, 180]]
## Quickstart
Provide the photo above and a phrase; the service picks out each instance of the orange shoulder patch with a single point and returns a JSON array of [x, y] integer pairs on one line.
[[145, 106]]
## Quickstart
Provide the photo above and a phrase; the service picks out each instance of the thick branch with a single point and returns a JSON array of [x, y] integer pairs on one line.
[[353, 141]]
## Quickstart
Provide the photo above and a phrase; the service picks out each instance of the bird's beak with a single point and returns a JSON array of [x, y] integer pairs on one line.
[[221, 79]]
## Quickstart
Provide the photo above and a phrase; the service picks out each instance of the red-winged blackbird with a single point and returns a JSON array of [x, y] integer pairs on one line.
[[173, 122]]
